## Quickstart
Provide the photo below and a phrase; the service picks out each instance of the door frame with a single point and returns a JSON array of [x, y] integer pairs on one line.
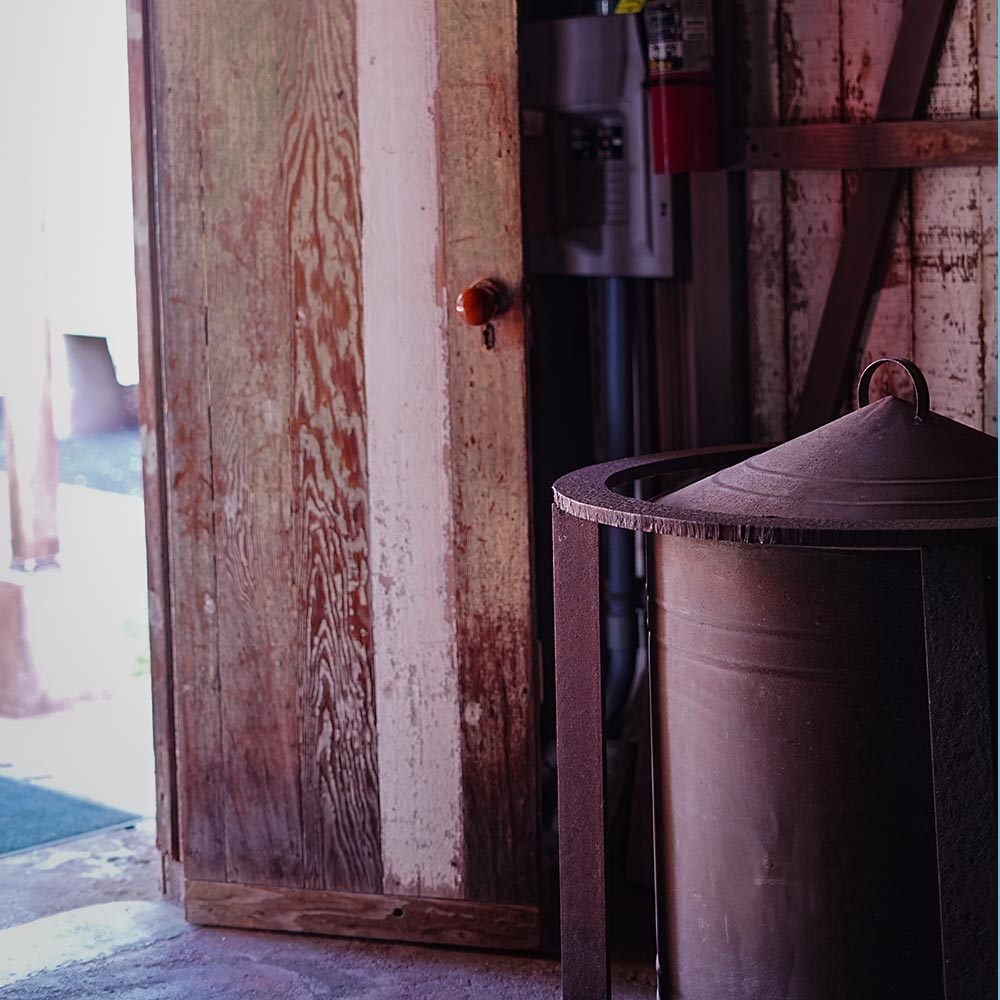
[[151, 421]]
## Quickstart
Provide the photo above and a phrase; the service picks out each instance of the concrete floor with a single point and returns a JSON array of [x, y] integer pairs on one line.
[[85, 919]]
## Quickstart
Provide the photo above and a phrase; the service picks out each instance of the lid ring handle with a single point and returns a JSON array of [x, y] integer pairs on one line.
[[920, 390]]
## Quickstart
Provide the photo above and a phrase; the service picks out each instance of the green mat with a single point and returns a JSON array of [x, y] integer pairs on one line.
[[31, 815]]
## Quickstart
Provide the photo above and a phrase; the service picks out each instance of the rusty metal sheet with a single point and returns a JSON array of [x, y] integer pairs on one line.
[[581, 764]]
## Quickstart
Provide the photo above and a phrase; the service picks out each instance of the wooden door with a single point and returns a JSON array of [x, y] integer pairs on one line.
[[348, 642]]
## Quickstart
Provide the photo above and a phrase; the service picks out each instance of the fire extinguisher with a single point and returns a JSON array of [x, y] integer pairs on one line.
[[680, 63]]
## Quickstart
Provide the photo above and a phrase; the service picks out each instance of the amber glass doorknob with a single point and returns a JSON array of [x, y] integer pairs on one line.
[[481, 302]]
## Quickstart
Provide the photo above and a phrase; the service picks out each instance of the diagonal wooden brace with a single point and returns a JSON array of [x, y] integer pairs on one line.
[[861, 262]]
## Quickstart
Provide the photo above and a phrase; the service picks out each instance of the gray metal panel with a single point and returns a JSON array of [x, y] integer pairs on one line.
[[610, 213]]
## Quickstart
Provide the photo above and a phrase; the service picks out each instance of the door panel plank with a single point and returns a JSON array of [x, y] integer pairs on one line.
[[413, 577], [188, 452], [340, 807], [262, 366], [479, 155], [249, 344]]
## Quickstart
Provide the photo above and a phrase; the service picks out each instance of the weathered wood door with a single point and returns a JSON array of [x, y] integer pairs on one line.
[[347, 637]]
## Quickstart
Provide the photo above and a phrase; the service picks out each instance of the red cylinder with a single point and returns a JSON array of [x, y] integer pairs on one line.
[[682, 124]]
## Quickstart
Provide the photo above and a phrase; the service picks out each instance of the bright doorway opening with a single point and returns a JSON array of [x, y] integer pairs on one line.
[[76, 748]]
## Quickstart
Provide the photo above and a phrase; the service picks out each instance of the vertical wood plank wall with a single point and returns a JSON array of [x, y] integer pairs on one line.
[[345, 467], [825, 60]]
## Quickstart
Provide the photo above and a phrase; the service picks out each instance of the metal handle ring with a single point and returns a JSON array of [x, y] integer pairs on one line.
[[920, 390]]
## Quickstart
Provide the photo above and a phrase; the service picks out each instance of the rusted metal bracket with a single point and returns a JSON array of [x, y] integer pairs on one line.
[[964, 786], [581, 764], [870, 145], [862, 258]]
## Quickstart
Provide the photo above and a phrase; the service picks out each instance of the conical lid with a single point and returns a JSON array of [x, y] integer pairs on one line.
[[888, 463]]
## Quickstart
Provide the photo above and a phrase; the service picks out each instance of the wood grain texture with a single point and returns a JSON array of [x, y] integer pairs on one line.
[[810, 59], [151, 419], [861, 258], [265, 442], [479, 162], [947, 237], [406, 359], [869, 35], [941, 275], [389, 918], [861, 261], [986, 32], [337, 743], [869, 145], [187, 455], [249, 340], [988, 321], [768, 348], [280, 654]]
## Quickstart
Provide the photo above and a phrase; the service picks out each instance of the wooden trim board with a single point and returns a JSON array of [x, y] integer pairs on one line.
[[479, 161], [148, 312], [870, 145], [448, 465], [406, 373], [422, 920]]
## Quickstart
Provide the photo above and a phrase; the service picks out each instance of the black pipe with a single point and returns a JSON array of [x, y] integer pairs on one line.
[[620, 637]]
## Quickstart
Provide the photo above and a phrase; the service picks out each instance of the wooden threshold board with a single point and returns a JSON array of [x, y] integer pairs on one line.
[[420, 920]]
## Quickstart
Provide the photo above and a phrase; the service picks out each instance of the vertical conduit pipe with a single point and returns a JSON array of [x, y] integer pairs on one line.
[[620, 639]]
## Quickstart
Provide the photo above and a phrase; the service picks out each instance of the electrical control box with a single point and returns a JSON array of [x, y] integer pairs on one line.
[[594, 205]]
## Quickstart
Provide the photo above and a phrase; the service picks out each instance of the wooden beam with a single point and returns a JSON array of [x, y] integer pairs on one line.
[[387, 918], [870, 145], [861, 260]]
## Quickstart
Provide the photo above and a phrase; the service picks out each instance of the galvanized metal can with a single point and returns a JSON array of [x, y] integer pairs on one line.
[[794, 802], [822, 661]]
